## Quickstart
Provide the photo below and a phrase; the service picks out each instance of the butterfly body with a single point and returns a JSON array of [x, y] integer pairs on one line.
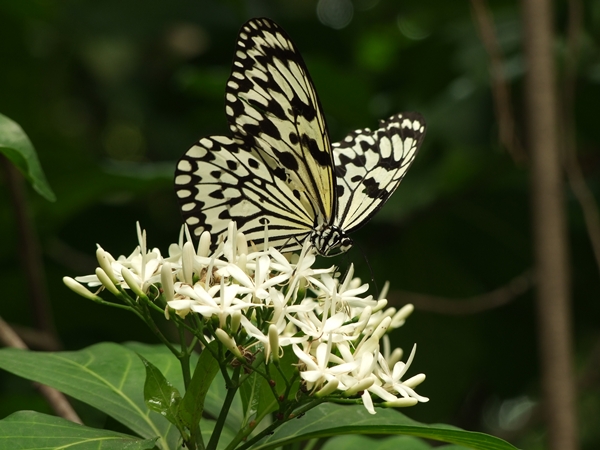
[[279, 167]]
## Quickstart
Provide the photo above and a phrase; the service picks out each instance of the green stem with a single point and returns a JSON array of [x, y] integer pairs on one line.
[[184, 359], [231, 391], [273, 426], [154, 328]]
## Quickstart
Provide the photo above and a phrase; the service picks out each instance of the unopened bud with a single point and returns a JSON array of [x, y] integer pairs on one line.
[[132, 282], [106, 281], [79, 289], [228, 342], [362, 385], [329, 388]]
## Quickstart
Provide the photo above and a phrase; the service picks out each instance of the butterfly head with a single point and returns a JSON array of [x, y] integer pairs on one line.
[[329, 240]]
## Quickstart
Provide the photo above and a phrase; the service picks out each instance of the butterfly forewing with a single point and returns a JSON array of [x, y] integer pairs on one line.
[[371, 164], [217, 181], [273, 108]]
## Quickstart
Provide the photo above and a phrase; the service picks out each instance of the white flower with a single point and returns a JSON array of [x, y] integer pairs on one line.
[[143, 265], [317, 367], [392, 380], [207, 303], [265, 301]]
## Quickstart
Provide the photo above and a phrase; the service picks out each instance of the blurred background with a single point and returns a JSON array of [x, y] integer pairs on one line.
[[112, 93]]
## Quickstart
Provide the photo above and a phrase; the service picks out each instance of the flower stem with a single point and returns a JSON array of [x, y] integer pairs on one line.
[[273, 426], [231, 391]]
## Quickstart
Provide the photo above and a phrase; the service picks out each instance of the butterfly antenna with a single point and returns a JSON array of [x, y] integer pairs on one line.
[[356, 244]]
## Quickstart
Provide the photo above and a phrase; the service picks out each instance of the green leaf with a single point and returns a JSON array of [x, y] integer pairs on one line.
[[250, 393], [32, 430], [358, 442], [192, 406], [17, 147], [160, 395], [330, 419], [107, 376]]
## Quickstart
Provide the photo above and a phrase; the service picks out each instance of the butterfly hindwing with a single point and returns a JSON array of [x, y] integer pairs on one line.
[[371, 164], [272, 106], [217, 181]]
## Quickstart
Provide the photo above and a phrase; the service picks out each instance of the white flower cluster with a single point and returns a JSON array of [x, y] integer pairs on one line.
[[264, 300]]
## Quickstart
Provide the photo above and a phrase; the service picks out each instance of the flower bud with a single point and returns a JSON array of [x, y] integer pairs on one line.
[[106, 281], [242, 244], [79, 289], [329, 388], [274, 342], [228, 342], [132, 282], [362, 385], [166, 280], [187, 263], [413, 382], [400, 403], [400, 317], [381, 328], [105, 263], [204, 244], [236, 318]]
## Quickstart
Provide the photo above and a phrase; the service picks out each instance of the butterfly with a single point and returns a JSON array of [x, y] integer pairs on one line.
[[278, 168]]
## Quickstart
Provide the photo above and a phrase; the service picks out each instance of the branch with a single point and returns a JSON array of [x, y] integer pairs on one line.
[[500, 90], [580, 189], [472, 305], [549, 227], [29, 250], [59, 403]]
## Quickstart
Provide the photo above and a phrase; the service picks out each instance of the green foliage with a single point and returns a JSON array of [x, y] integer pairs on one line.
[[109, 377], [17, 147], [161, 396], [31, 430], [329, 419], [192, 405]]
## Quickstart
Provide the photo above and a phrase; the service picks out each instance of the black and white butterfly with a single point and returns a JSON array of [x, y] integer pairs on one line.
[[279, 166]]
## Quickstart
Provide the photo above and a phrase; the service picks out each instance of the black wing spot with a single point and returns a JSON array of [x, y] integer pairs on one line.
[[288, 161], [372, 188]]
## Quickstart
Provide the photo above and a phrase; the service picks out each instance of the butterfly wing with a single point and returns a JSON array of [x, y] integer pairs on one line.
[[278, 164], [371, 164], [273, 108], [218, 181]]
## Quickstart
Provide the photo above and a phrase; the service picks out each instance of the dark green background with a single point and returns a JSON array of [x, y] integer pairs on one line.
[[112, 93]]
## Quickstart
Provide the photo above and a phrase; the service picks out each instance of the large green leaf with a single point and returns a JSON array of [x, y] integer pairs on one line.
[[192, 405], [250, 394], [331, 419], [32, 430], [17, 147], [108, 376], [160, 395], [358, 442]]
